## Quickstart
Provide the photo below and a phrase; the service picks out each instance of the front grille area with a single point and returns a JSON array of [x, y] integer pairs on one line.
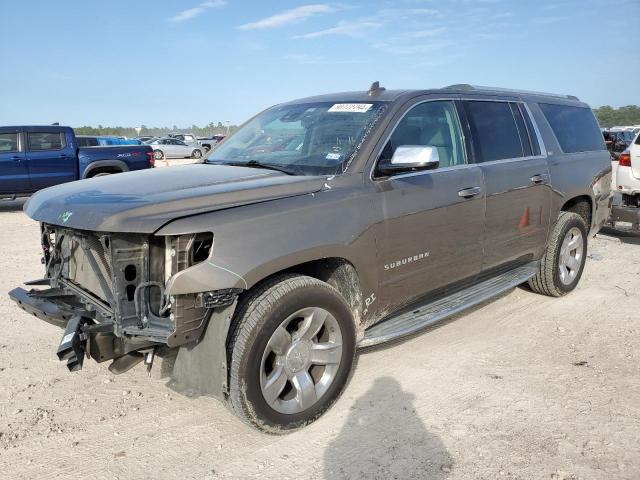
[[107, 267], [121, 277], [80, 269]]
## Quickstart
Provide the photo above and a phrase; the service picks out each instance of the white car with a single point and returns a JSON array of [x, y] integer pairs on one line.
[[164, 148], [627, 183]]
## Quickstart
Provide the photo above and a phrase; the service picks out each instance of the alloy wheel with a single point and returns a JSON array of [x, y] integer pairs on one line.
[[301, 360], [571, 253]]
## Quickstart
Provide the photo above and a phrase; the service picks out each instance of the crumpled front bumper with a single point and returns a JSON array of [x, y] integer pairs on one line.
[[47, 305], [82, 336]]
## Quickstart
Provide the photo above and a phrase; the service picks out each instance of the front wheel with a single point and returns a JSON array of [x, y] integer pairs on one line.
[[196, 154], [158, 154], [291, 353], [563, 262]]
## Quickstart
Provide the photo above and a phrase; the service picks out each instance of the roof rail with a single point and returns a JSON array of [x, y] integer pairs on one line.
[[466, 86]]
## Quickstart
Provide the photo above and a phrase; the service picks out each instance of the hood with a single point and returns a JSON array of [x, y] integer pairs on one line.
[[145, 200]]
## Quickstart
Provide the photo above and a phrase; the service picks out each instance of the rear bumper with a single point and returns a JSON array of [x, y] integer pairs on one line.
[[620, 213]]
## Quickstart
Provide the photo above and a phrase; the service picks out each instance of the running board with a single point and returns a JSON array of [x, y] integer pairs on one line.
[[430, 313]]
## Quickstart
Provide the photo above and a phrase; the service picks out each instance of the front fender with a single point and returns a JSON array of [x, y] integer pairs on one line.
[[255, 241]]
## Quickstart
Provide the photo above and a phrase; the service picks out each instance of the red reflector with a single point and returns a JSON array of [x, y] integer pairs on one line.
[[625, 160], [152, 160]]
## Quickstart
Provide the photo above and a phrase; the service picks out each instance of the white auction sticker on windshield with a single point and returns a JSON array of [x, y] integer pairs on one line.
[[351, 107]]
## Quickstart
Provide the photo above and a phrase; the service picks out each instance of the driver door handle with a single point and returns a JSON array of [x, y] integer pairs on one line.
[[469, 192], [539, 178]]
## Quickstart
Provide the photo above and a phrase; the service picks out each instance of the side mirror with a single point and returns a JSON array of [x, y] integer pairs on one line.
[[408, 158]]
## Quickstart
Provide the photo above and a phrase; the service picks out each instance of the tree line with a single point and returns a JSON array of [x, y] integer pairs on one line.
[[607, 117], [206, 131], [623, 116]]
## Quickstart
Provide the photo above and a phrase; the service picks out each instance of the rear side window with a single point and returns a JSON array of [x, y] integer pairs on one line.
[[87, 141], [494, 130], [39, 141], [8, 142], [575, 127]]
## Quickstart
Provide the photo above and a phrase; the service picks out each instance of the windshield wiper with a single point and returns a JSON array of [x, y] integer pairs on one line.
[[254, 164]]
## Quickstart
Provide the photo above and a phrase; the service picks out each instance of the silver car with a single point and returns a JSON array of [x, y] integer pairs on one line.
[[174, 148]]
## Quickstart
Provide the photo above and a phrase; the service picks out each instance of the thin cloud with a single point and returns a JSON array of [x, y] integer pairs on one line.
[[190, 13], [305, 59], [549, 20], [359, 27], [288, 16], [349, 29], [433, 32], [415, 49]]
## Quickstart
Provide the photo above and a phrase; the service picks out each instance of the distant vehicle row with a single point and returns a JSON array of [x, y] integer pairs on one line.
[[203, 143], [36, 157]]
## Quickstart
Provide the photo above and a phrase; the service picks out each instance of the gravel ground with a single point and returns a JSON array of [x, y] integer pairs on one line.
[[523, 387]]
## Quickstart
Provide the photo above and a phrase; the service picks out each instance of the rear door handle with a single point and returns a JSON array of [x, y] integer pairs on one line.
[[16, 158], [539, 178], [469, 192]]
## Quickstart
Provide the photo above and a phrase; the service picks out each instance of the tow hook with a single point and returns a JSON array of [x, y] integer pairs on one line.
[[71, 346], [148, 360]]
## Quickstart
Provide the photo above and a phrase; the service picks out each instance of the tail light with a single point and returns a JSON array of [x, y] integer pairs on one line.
[[151, 159], [625, 159]]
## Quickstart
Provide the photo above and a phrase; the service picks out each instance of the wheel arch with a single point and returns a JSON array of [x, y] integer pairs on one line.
[[338, 272], [99, 166], [582, 205]]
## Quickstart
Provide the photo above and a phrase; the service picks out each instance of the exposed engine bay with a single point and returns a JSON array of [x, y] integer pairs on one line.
[[108, 291]]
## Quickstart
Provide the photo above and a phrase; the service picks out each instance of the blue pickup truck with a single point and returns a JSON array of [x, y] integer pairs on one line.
[[36, 157]]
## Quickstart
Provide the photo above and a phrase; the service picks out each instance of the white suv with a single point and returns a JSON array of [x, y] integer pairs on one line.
[[628, 174]]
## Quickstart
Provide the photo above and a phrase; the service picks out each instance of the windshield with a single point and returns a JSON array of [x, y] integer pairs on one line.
[[303, 139]]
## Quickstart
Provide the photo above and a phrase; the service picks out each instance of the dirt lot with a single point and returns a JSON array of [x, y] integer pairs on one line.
[[524, 387]]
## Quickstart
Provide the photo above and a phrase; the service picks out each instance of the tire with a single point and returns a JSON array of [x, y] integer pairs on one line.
[[158, 154], [557, 273], [284, 313], [196, 154]]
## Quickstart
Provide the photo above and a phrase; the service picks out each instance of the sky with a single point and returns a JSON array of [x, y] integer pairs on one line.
[[182, 62]]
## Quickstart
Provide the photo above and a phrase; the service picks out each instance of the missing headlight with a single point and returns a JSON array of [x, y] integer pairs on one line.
[[201, 247]]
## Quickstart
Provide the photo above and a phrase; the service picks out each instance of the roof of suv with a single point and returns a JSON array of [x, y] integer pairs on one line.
[[383, 95]]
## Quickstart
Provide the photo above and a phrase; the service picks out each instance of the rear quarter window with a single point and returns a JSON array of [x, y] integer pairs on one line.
[[575, 128], [39, 141]]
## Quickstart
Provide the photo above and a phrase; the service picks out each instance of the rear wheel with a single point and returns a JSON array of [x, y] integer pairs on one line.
[[158, 154], [291, 353], [563, 262]]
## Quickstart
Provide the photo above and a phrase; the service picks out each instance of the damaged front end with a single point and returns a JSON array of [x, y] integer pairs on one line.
[[107, 290]]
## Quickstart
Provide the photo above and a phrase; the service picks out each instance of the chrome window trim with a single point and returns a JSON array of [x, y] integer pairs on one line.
[[426, 172], [543, 148], [541, 144]]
